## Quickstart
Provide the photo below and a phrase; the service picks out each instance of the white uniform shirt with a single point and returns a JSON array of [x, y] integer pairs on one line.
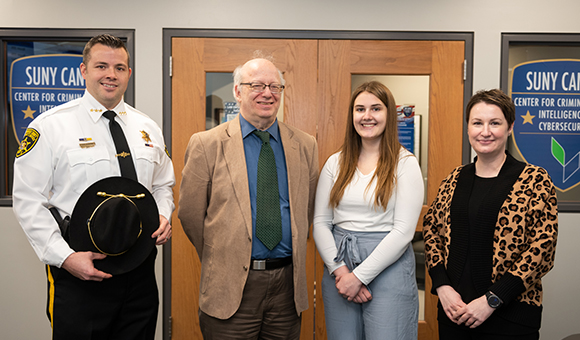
[[356, 212], [75, 149]]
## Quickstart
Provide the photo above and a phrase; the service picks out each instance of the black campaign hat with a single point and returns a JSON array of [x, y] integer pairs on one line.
[[116, 217]]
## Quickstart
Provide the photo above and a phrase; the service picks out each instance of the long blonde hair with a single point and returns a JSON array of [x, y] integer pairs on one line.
[[390, 148]]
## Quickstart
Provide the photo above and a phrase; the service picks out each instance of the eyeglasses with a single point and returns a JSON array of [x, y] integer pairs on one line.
[[259, 87]]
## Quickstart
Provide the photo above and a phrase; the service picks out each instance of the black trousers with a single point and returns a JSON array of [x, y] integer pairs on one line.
[[122, 307], [447, 332]]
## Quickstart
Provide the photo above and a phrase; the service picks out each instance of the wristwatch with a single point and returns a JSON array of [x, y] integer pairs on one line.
[[493, 300]]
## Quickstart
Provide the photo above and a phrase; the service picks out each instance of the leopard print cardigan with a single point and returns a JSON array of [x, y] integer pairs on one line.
[[524, 236]]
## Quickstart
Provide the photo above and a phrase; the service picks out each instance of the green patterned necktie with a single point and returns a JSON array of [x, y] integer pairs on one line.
[[268, 217]]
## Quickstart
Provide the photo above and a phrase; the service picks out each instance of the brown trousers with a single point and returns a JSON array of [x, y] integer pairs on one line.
[[267, 310]]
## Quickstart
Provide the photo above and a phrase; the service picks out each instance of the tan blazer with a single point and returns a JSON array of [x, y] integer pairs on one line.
[[215, 211]]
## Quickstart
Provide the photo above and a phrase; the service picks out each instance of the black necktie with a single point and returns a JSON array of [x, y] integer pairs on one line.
[[123, 152], [268, 217]]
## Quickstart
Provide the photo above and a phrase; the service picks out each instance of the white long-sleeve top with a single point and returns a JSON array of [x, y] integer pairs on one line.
[[74, 149], [356, 212]]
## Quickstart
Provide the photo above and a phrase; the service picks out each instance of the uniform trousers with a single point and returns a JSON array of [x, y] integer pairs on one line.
[[267, 310], [394, 309], [123, 307]]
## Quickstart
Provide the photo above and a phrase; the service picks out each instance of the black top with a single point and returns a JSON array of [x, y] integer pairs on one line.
[[481, 187]]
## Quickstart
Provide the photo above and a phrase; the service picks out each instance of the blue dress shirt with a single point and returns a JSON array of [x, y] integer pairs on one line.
[[252, 147]]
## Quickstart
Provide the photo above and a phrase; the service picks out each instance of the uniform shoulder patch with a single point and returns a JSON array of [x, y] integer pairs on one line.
[[167, 152], [28, 142]]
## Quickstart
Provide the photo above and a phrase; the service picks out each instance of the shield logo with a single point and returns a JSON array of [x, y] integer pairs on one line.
[[546, 133], [41, 82]]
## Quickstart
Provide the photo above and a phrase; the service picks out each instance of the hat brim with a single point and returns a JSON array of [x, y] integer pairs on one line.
[[80, 240]]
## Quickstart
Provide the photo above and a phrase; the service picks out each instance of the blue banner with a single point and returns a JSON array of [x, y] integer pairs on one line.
[[547, 126], [41, 82], [406, 126]]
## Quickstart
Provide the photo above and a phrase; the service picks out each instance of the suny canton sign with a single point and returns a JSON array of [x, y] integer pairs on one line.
[[547, 126], [39, 83]]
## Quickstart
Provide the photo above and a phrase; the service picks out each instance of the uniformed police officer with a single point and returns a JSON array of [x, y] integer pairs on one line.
[[64, 151]]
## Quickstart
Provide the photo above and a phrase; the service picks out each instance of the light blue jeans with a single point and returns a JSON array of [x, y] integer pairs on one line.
[[393, 311]]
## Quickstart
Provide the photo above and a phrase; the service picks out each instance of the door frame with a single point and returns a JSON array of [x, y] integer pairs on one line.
[[169, 33]]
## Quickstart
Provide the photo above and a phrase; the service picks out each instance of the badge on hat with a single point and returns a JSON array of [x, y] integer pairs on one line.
[[116, 217]]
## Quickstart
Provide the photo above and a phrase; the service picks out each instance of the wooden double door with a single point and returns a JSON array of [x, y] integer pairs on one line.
[[318, 87]]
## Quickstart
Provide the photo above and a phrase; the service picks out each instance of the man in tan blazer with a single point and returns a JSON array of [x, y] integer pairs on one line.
[[249, 289]]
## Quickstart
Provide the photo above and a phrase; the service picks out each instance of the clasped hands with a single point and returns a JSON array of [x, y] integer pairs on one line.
[[472, 314], [350, 287]]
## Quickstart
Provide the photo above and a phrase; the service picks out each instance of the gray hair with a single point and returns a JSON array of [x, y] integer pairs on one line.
[[256, 55]]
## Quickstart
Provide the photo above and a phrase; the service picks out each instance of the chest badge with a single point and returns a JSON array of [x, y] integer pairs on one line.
[[86, 142], [145, 136]]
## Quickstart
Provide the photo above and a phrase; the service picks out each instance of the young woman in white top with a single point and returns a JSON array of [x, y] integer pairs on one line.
[[368, 201]]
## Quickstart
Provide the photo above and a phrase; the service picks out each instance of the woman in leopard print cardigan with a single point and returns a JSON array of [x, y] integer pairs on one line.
[[490, 234]]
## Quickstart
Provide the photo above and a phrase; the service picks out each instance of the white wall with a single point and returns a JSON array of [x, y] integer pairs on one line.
[[22, 288]]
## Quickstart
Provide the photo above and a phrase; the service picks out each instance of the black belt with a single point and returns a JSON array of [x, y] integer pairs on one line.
[[269, 264]]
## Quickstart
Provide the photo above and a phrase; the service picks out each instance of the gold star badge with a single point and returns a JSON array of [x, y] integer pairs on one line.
[[145, 136], [528, 118], [28, 113]]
